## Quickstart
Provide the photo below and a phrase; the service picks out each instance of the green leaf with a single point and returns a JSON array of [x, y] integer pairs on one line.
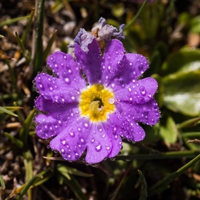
[[185, 60], [182, 93], [76, 188], [2, 183], [13, 20], [66, 170], [169, 132], [195, 25], [24, 130], [144, 193], [19, 143], [164, 183], [7, 110], [25, 187]]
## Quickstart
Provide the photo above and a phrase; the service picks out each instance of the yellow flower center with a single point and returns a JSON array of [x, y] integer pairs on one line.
[[96, 102]]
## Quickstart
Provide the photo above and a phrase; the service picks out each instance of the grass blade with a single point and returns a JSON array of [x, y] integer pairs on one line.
[[164, 183], [6, 110]]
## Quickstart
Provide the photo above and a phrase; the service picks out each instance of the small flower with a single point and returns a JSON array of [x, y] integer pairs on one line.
[[93, 116], [102, 32]]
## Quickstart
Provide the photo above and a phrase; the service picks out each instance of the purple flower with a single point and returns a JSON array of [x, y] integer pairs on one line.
[[93, 116], [102, 32]]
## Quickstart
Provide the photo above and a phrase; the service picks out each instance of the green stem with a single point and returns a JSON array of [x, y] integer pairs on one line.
[[163, 184], [167, 155], [136, 16], [38, 57]]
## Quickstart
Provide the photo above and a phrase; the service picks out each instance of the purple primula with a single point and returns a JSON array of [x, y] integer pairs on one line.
[[93, 115]]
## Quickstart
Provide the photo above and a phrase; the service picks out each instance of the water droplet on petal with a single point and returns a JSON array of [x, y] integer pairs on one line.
[[69, 156], [111, 101], [76, 155], [98, 148], [63, 142], [82, 140], [86, 125], [108, 148], [71, 134], [142, 90], [67, 80], [92, 140], [62, 150]]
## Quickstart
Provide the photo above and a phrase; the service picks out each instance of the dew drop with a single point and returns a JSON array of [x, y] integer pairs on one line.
[[51, 88], [69, 156], [41, 86], [86, 125], [67, 80], [71, 134], [98, 148], [63, 142], [111, 100], [82, 140], [76, 155], [100, 129], [73, 98], [92, 140], [62, 150], [108, 148]]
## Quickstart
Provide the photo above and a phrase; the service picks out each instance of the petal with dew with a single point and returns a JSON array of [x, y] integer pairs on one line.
[[139, 92], [47, 126], [90, 62], [64, 66], [55, 89], [147, 113], [49, 106], [126, 127], [113, 54], [72, 141], [114, 138], [99, 144]]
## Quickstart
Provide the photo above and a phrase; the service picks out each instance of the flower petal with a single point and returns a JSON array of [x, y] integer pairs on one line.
[[127, 127], [147, 113], [90, 62], [139, 92], [48, 126], [49, 106], [72, 141], [64, 66], [114, 138], [133, 66], [99, 144], [113, 54], [58, 117], [55, 89]]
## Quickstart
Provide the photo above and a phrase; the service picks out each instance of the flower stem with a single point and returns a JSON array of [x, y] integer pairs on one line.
[[164, 183], [136, 16], [167, 155]]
